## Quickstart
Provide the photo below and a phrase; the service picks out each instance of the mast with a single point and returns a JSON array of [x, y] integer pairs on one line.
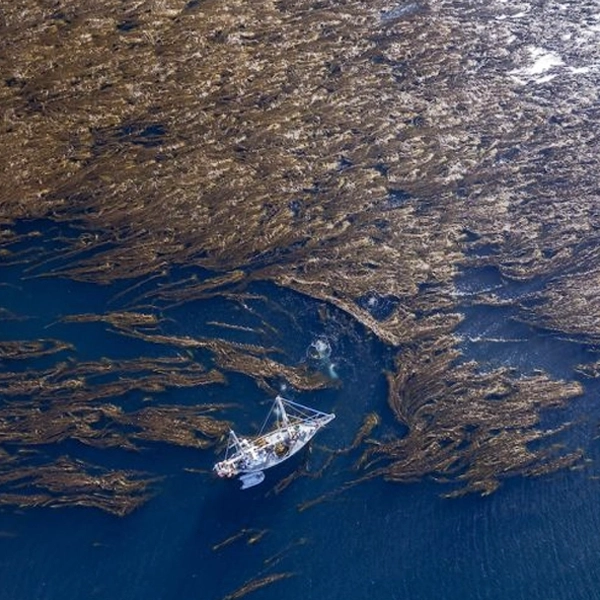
[[283, 414], [235, 439]]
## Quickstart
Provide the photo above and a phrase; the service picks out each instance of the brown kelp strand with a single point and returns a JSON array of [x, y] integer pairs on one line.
[[249, 359], [345, 170], [300, 471], [333, 494], [83, 381], [306, 469], [370, 422], [257, 584], [191, 289], [9, 237], [591, 370], [78, 401], [466, 426], [27, 349], [230, 540], [107, 425], [125, 319], [401, 327], [26, 424], [264, 369], [233, 327], [19, 248], [69, 250], [249, 535], [183, 426], [68, 482], [399, 254], [569, 304], [8, 315], [271, 561], [94, 422]]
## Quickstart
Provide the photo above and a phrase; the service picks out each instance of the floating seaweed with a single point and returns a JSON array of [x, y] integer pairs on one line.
[[257, 584], [70, 404], [467, 426], [67, 482], [248, 359], [315, 146], [271, 561], [26, 349], [252, 536]]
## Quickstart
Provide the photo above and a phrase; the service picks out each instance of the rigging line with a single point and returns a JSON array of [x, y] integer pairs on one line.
[[262, 429]]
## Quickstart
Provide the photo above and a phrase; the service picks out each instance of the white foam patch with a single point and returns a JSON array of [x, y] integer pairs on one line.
[[519, 15], [543, 61], [579, 70]]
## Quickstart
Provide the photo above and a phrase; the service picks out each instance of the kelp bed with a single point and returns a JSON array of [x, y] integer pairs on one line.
[[179, 151]]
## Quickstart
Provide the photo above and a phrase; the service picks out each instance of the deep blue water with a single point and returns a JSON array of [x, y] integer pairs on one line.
[[533, 539]]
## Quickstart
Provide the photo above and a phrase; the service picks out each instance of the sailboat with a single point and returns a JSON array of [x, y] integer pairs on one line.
[[295, 426]]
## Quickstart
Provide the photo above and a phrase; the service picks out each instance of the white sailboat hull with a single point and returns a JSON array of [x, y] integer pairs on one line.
[[254, 455]]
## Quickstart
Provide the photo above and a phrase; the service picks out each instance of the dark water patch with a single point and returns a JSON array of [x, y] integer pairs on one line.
[[128, 25], [62, 16], [492, 287], [462, 191], [478, 280], [137, 133], [417, 121], [494, 335], [510, 532], [378, 58], [344, 164], [397, 198], [382, 168], [148, 135], [509, 155], [484, 250], [382, 224], [296, 208], [379, 306], [471, 236], [15, 82]]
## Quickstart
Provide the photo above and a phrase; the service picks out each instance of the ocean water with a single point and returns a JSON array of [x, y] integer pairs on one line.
[[534, 538], [202, 538]]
